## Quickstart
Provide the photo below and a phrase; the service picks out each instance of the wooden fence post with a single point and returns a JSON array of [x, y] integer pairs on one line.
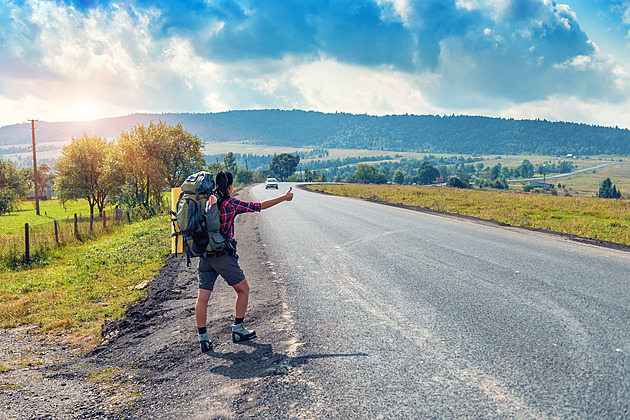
[[104, 218], [27, 252], [56, 232], [91, 221], [76, 226]]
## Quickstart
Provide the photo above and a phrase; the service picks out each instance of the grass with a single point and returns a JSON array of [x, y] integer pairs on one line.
[[84, 284], [49, 210], [588, 182], [589, 217]]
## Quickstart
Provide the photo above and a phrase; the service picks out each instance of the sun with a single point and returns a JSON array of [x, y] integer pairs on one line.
[[85, 110]]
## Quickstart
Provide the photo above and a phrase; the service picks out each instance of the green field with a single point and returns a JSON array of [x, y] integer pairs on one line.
[[588, 217], [81, 285], [49, 210]]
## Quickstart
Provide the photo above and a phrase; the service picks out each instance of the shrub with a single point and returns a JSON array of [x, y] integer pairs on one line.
[[457, 183]]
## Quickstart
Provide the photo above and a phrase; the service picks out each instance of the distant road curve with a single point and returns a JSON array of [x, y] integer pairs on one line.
[[570, 173]]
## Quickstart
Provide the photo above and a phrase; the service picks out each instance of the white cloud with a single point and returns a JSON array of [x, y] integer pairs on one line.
[[65, 63], [329, 86], [572, 109]]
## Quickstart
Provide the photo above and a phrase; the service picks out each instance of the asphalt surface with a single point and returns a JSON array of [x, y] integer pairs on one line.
[[402, 314]]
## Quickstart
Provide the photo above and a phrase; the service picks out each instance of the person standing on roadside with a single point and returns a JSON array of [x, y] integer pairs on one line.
[[226, 264]]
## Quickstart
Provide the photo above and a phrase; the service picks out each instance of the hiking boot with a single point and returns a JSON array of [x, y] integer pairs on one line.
[[240, 333], [204, 342]]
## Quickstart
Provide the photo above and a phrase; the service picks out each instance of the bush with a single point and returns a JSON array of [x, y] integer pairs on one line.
[[499, 184], [457, 183], [527, 188]]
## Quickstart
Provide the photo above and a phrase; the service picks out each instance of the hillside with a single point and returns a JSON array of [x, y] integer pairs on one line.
[[426, 133]]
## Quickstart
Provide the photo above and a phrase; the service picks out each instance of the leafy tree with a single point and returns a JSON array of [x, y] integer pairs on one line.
[[444, 171], [44, 175], [214, 167], [457, 182], [495, 171], [181, 155], [500, 184], [479, 167], [426, 174], [526, 170], [365, 174], [143, 152], [284, 164], [84, 171], [14, 185], [608, 190], [244, 176], [399, 177], [230, 163]]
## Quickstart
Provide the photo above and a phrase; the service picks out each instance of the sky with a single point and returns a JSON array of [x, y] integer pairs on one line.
[[72, 60]]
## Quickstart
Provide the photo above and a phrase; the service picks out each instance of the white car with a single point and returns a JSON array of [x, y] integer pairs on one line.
[[271, 183]]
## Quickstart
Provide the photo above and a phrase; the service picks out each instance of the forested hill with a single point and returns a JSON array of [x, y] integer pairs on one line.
[[425, 133]]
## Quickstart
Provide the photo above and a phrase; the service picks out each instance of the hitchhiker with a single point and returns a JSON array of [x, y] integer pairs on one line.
[[226, 264]]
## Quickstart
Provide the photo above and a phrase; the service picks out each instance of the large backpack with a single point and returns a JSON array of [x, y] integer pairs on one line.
[[197, 217]]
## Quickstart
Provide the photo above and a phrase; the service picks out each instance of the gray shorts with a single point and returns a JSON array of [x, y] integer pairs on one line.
[[225, 265]]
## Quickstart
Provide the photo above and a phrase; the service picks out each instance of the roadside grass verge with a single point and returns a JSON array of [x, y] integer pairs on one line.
[[602, 219], [83, 284]]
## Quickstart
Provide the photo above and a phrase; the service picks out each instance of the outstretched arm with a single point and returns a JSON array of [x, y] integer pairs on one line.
[[273, 201]]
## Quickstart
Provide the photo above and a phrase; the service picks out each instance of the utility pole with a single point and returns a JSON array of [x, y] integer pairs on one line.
[[35, 168]]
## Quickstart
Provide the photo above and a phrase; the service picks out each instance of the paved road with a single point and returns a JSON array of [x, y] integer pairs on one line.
[[409, 315]]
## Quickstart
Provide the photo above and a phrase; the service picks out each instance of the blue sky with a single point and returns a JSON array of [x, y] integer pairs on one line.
[[65, 60]]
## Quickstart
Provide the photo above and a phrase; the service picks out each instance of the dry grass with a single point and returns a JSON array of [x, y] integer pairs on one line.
[[589, 217]]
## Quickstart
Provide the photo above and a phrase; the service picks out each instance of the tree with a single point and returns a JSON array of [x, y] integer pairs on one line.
[[565, 167], [84, 171], [457, 182], [230, 164], [495, 171], [215, 167], [608, 190], [244, 176], [182, 154], [543, 169], [14, 185], [143, 152], [526, 170], [365, 173], [479, 167], [399, 177], [284, 164], [426, 174]]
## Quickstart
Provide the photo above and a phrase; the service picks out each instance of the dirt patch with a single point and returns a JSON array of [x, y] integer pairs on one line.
[[149, 364], [565, 236]]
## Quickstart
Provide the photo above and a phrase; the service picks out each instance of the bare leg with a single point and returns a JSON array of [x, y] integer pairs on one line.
[[201, 307], [242, 297]]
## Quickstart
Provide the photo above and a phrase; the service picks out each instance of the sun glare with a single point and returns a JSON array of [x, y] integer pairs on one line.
[[85, 110]]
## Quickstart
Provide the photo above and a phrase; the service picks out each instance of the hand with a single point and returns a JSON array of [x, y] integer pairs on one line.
[[289, 195]]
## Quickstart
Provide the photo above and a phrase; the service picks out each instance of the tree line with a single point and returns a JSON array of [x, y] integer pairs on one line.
[[426, 133]]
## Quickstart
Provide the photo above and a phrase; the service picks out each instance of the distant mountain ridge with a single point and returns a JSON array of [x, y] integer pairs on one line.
[[422, 133]]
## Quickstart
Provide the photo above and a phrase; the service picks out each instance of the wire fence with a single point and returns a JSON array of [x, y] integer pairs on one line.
[[36, 242]]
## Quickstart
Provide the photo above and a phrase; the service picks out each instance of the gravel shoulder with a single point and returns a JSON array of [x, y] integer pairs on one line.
[[149, 364]]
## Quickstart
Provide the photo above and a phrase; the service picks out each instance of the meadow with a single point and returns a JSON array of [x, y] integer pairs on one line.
[[589, 217], [49, 210], [81, 285]]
